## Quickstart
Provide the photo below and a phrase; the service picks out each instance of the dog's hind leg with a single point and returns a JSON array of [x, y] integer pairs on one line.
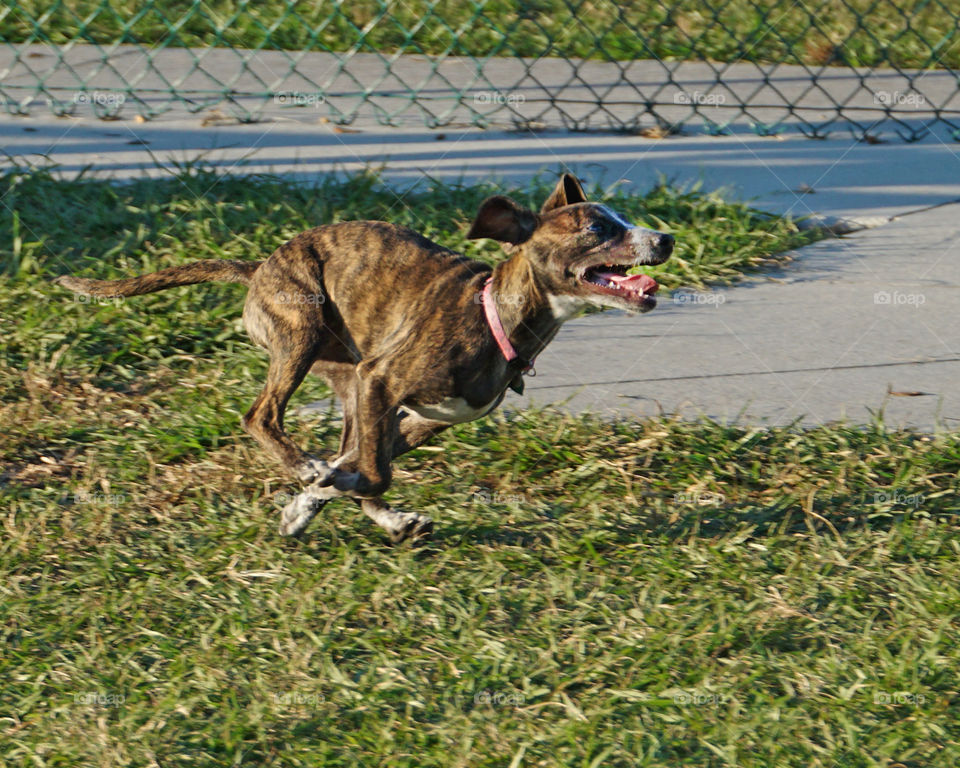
[[298, 513], [264, 420], [342, 378]]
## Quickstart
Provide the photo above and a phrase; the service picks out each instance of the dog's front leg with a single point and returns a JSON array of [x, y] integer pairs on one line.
[[298, 513], [392, 436], [398, 524], [411, 431], [362, 471]]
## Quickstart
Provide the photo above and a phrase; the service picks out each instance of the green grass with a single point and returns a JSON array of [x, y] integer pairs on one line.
[[650, 593], [914, 33]]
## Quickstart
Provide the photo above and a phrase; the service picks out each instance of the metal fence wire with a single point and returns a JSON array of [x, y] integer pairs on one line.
[[639, 66]]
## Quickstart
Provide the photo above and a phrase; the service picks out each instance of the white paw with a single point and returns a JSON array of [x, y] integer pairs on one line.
[[409, 525], [296, 516]]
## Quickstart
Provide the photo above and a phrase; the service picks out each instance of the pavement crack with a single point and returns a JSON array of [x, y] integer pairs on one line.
[[751, 373]]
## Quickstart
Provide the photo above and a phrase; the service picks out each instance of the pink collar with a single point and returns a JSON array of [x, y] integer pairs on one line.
[[496, 327]]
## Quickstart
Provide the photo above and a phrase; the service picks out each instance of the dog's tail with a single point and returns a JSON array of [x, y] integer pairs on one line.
[[206, 271]]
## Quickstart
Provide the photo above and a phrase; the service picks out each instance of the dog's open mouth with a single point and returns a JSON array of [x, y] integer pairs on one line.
[[613, 279]]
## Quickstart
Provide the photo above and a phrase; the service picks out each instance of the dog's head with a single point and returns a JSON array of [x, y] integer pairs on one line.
[[580, 251]]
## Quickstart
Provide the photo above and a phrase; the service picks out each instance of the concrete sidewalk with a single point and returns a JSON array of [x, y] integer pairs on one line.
[[815, 340], [852, 327]]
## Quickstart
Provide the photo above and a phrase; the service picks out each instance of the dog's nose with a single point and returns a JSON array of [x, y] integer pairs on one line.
[[665, 244]]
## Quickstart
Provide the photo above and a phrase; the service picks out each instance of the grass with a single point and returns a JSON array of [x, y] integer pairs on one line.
[[651, 593], [914, 33]]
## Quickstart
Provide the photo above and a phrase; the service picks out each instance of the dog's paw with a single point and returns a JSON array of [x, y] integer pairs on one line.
[[296, 516], [315, 471], [411, 526]]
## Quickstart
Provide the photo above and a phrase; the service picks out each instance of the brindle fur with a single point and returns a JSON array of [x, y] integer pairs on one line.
[[393, 322]]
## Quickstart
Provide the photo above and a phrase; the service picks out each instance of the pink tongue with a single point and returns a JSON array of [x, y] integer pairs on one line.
[[640, 283]]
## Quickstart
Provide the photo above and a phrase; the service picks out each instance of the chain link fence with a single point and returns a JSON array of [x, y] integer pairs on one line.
[[638, 66]]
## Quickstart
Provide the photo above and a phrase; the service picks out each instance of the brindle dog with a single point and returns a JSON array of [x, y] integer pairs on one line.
[[406, 331]]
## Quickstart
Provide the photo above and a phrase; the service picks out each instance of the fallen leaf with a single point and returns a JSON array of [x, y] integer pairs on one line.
[[217, 117], [906, 393], [658, 131]]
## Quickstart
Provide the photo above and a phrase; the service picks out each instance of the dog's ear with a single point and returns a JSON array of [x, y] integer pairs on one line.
[[501, 219], [567, 192]]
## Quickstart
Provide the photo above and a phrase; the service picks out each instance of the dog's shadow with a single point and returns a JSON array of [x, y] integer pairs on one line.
[[790, 515], [832, 516]]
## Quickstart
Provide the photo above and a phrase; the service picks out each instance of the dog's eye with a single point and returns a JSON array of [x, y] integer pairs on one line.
[[598, 228]]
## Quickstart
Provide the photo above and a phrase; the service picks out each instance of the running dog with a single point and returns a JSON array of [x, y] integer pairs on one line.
[[411, 336]]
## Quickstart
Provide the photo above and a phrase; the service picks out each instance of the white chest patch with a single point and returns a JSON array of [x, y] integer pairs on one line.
[[452, 410], [565, 307]]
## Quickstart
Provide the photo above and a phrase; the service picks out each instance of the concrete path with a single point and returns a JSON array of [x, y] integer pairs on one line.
[[816, 340]]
